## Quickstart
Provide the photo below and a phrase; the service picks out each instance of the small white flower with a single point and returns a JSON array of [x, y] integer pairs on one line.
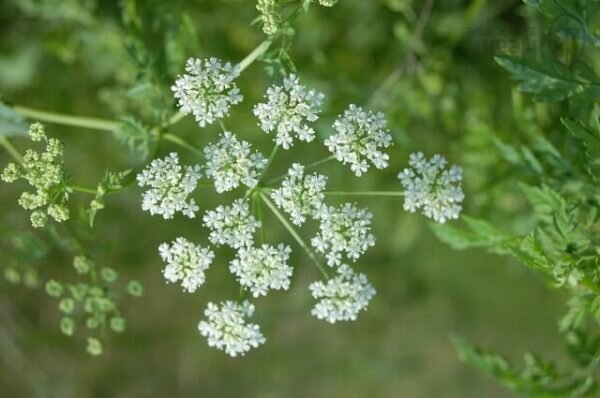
[[263, 268], [231, 225], [342, 297], [431, 187], [231, 162], [207, 90], [360, 135], [185, 262], [169, 186], [287, 110], [300, 195], [226, 328], [345, 229]]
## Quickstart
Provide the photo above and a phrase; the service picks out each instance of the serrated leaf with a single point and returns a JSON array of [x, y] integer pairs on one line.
[[476, 233], [544, 200], [590, 140], [135, 136]]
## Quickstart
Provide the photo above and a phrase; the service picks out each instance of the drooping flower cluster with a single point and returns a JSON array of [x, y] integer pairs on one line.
[[264, 268], [433, 188], [342, 297], [343, 230], [360, 136], [226, 327], [186, 262], [207, 90], [231, 162], [287, 110], [44, 171], [300, 195], [169, 186], [233, 225]]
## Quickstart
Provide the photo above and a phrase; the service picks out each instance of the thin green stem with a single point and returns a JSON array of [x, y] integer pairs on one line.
[[254, 54], [271, 157], [261, 219], [364, 193], [78, 188], [181, 142], [294, 233], [223, 128], [12, 151], [67, 120]]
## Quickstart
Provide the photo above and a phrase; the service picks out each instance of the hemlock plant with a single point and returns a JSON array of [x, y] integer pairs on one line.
[[556, 175]]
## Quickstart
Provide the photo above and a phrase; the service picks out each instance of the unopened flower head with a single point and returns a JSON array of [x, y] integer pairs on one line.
[[186, 262], [169, 186], [432, 187], [300, 195], [231, 225], [231, 162], [342, 297], [269, 16], [226, 328], [44, 171], [359, 139], [343, 230], [207, 90], [288, 109], [328, 3], [264, 268]]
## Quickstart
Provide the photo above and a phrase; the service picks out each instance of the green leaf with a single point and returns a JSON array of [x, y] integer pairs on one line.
[[135, 136], [544, 200], [476, 233], [11, 123], [590, 140]]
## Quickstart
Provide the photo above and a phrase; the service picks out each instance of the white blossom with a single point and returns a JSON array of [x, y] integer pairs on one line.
[[231, 162], [186, 262], [343, 230], [260, 269], [231, 225], [430, 186], [169, 186], [360, 136], [287, 110], [227, 330], [342, 297], [207, 90], [300, 195]]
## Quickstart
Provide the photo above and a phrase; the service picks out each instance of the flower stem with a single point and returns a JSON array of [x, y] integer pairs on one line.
[[364, 193], [12, 151], [307, 167], [67, 120], [271, 157], [294, 233], [254, 54], [77, 188], [181, 142]]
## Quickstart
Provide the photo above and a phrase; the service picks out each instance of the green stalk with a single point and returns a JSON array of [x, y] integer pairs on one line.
[[294, 233], [12, 151], [77, 188], [67, 120], [182, 143]]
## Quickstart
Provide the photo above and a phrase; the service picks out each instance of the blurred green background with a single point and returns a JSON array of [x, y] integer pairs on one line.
[[441, 91]]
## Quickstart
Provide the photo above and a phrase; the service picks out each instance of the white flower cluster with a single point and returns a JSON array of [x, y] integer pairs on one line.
[[431, 187], [185, 262], [345, 229], [360, 135], [231, 162], [44, 171], [260, 269], [207, 90], [300, 195], [342, 297], [226, 327], [233, 225], [169, 186], [287, 110]]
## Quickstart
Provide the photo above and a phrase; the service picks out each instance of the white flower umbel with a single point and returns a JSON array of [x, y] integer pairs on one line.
[[227, 330], [207, 90], [300, 195], [345, 229], [342, 297], [185, 263], [169, 186], [231, 162], [264, 268], [231, 225], [432, 187], [360, 136], [287, 110]]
